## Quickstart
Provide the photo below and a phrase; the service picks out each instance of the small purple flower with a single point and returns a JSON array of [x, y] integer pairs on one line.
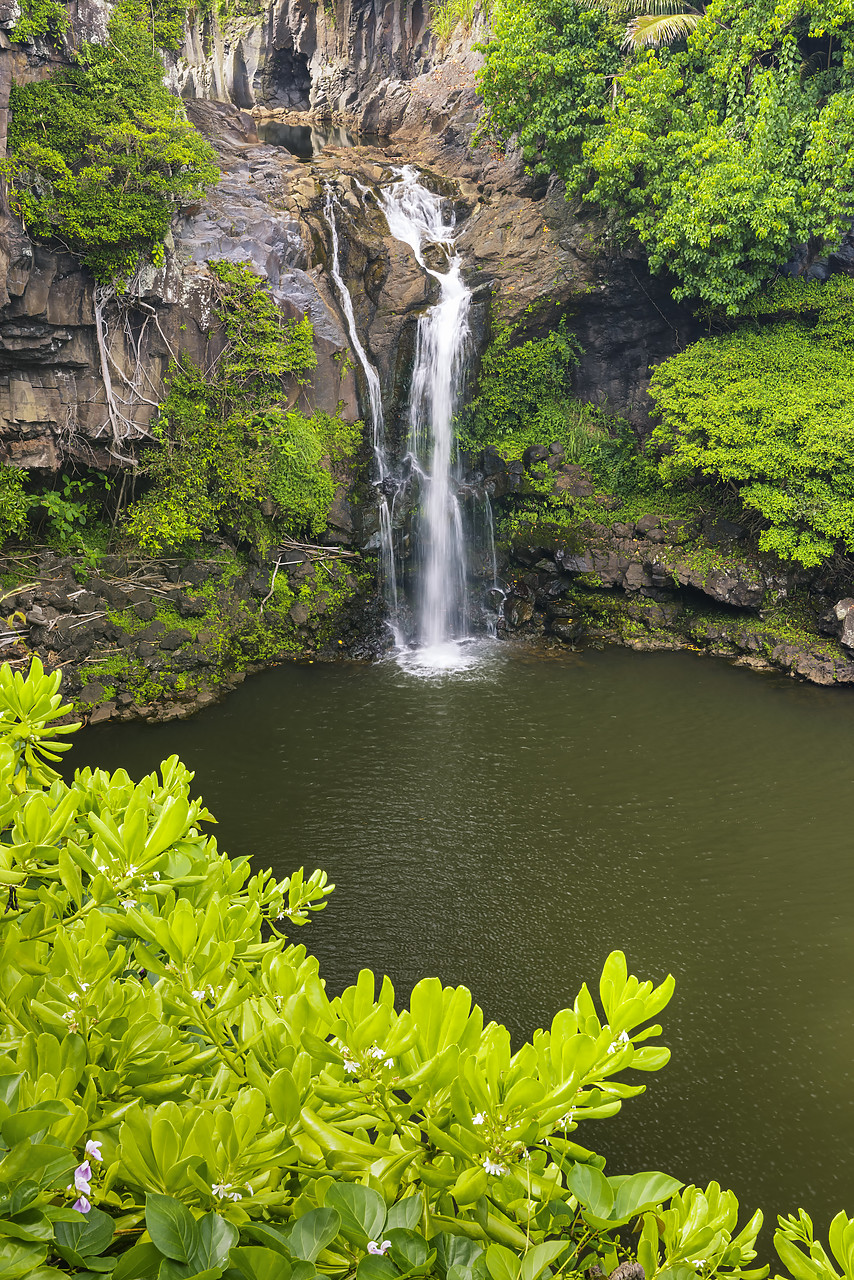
[[82, 1205], [382, 1249], [93, 1149], [82, 1177]]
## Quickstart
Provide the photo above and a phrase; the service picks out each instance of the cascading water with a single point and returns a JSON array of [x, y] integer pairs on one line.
[[418, 218], [375, 403]]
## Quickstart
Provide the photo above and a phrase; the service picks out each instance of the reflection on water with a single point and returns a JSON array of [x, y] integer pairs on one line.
[[508, 828], [303, 140]]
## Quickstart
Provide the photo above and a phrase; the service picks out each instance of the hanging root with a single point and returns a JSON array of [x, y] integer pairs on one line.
[[122, 427]]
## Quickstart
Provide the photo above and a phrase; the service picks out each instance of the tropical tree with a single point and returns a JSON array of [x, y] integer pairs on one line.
[[652, 23]]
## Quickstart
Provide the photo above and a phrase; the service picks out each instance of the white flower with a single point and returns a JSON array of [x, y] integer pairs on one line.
[[621, 1041], [491, 1166], [699, 1263], [128, 902], [221, 1190], [132, 871], [350, 1065], [522, 1154], [235, 1195], [376, 1052], [480, 1118], [73, 996], [383, 1248], [198, 995], [389, 1062], [84, 986], [249, 1190], [565, 1121], [155, 875]]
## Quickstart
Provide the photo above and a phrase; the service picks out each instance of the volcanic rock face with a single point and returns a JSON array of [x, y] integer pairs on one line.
[[376, 66]]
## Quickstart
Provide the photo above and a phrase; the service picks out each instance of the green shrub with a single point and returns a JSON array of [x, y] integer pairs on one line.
[[722, 153], [545, 79], [228, 444], [14, 503], [101, 154], [526, 384], [38, 19], [769, 412]]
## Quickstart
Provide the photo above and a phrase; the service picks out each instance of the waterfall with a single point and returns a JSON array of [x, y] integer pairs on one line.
[[422, 220], [375, 403], [418, 217]]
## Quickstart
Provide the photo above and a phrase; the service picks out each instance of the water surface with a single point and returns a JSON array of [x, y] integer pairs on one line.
[[507, 825]]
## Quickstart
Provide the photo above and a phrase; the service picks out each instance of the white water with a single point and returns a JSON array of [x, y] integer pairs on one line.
[[375, 402], [417, 217]]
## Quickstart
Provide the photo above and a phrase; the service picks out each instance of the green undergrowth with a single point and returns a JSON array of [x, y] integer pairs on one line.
[[232, 457], [767, 411], [301, 617]]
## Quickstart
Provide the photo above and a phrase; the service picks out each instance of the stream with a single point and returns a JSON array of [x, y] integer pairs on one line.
[[507, 824]]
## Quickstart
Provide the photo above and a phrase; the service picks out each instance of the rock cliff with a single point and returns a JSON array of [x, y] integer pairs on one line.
[[374, 66]]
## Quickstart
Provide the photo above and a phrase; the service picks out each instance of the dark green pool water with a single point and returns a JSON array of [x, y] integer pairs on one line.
[[506, 827]]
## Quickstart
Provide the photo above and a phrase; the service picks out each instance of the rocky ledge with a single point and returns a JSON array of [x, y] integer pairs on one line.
[[159, 639], [590, 572]]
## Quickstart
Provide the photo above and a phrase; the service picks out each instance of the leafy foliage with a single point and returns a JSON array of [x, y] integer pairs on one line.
[[722, 154], [545, 79], [14, 503], [522, 384], [769, 411], [170, 1058], [228, 443], [38, 19], [727, 155], [653, 23], [102, 154]]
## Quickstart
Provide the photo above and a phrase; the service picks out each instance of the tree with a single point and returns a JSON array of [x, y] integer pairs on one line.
[[101, 154], [653, 23]]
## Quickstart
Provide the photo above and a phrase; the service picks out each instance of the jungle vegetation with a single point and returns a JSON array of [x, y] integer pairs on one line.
[[722, 151]]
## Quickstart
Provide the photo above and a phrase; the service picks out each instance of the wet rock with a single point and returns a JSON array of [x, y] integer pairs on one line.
[[517, 612], [839, 621], [567, 629], [533, 454], [174, 639], [145, 610], [575, 562], [717, 530], [101, 714], [93, 693]]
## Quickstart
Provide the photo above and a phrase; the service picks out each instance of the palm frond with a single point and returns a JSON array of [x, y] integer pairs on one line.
[[651, 31], [627, 8]]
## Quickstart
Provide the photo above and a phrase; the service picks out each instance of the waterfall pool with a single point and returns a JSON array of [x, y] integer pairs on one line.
[[505, 825]]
